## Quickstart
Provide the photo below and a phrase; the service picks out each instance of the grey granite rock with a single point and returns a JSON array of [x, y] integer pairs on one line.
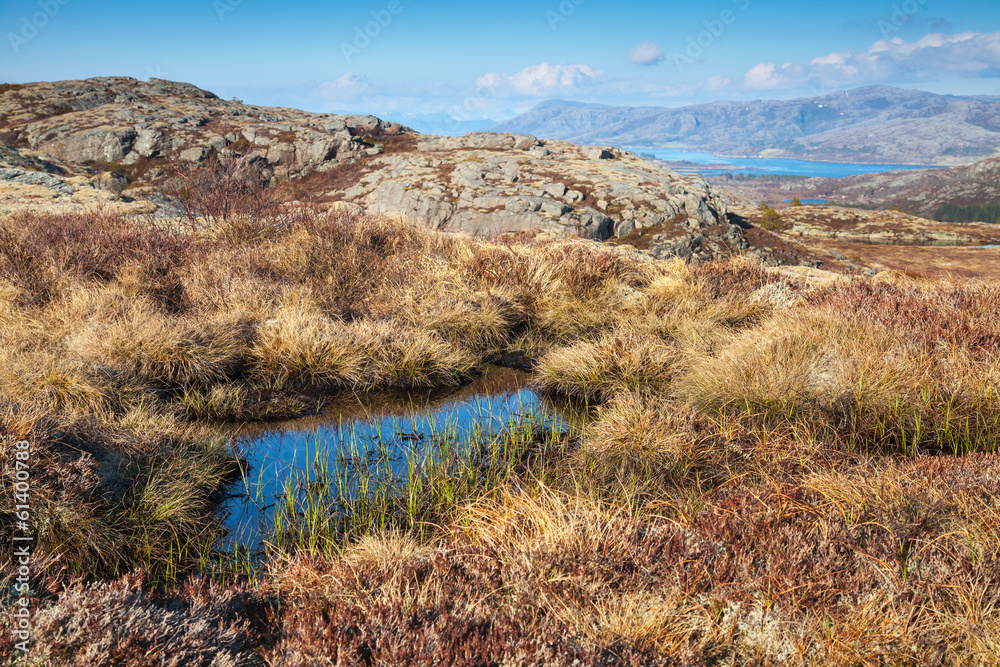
[[599, 154], [466, 184], [35, 178], [97, 145]]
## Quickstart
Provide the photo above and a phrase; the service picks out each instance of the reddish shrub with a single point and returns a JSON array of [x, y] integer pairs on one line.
[[37, 252], [227, 187], [963, 316]]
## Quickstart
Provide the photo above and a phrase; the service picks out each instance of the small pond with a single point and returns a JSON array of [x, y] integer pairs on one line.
[[399, 422]]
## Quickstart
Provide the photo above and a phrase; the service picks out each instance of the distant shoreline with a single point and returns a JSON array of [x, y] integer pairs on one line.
[[705, 163]]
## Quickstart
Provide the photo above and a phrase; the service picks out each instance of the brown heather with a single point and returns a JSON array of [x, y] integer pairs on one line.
[[774, 472]]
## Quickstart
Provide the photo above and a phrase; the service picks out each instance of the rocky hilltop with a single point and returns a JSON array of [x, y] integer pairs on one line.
[[485, 184], [114, 142], [119, 122], [117, 130], [874, 124]]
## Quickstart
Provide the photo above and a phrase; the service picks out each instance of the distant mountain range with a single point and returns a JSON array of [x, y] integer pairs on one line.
[[874, 124]]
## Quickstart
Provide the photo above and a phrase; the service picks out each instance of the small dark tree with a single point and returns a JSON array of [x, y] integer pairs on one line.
[[770, 219], [796, 202]]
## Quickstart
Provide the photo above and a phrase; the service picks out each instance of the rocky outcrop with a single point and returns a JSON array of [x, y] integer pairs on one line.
[[482, 183], [119, 121], [486, 184], [28, 183], [15, 159], [35, 178]]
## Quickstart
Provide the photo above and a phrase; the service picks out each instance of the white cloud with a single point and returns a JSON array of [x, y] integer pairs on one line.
[[765, 76], [538, 80], [646, 54], [937, 55], [761, 76], [718, 82], [350, 84], [832, 59]]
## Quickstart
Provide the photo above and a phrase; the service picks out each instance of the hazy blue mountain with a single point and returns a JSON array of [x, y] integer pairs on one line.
[[875, 124]]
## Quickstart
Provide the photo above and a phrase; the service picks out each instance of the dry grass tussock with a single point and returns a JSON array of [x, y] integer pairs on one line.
[[117, 331], [837, 570], [109, 494], [724, 515], [873, 374], [773, 473], [618, 361], [315, 301]]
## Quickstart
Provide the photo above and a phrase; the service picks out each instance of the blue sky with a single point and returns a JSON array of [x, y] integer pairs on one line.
[[475, 59]]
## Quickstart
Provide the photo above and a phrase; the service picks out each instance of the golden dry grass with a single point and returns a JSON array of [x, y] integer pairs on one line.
[[618, 361], [774, 472]]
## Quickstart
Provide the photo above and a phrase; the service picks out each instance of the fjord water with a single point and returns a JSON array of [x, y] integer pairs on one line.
[[404, 423], [701, 164]]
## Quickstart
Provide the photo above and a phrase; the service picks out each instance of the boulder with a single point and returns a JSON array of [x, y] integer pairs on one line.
[[624, 227], [97, 145], [314, 150], [595, 225], [196, 154], [35, 178], [149, 143], [598, 153], [491, 141], [556, 208]]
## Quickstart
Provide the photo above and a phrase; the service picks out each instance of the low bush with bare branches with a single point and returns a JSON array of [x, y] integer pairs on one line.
[[228, 186]]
